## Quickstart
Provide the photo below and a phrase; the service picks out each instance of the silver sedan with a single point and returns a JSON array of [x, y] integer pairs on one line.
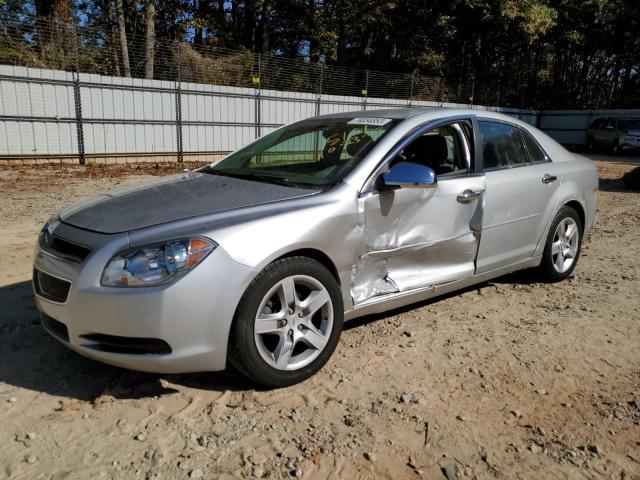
[[258, 260]]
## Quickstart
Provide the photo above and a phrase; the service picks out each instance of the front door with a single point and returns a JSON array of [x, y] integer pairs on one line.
[[419, 237]]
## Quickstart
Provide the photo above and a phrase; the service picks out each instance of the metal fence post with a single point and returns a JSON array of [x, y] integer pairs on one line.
[[77, 100], [366, 89], [413, 77], [319, 99], [258, 109], [179, 111]]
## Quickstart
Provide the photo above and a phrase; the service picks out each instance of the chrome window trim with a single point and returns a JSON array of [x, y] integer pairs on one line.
[[547, 158], [368, 187], [466, 151]]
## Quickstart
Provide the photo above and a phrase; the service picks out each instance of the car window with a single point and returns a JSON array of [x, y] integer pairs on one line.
[[439, 149], [502, 146], [312, 152], [313, 146], [536, 154], [597, 123], [627, 125]]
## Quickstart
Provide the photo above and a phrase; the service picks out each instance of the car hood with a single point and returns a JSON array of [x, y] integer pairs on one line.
[[173, 198], [633, 132]]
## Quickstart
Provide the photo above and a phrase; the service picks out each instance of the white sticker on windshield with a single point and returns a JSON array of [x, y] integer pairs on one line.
[[377, 121]]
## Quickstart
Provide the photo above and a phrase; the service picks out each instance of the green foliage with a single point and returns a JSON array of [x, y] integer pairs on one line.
[[536, 53]]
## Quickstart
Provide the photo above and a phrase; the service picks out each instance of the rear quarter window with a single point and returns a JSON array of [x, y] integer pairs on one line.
[[536, 154]]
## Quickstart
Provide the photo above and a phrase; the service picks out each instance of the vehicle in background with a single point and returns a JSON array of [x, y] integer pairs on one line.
[[614, 134]]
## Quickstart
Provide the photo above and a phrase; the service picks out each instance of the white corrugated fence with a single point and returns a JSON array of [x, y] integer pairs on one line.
[[56, 114]]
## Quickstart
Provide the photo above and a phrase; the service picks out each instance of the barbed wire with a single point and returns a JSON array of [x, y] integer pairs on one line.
[[30, 42]]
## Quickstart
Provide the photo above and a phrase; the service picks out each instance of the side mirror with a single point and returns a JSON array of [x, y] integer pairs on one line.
[[409, 175]]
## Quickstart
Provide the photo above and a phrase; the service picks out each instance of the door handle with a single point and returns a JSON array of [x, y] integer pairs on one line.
[[469, 196], [549, 178]]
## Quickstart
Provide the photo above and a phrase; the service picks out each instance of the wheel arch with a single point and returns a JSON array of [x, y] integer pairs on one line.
[[577, 206], [315, 254]]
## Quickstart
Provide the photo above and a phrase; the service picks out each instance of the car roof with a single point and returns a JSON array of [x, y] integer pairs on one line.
[[618, 117], [427, 113]]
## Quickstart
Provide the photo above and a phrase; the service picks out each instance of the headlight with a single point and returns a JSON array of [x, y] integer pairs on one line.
[[156, 264]]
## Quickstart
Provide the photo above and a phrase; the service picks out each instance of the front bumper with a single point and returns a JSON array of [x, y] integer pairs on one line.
[[192, 315]]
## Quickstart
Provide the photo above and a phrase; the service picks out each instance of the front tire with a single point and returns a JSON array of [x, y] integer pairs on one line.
[[562, 249], [288, 323]]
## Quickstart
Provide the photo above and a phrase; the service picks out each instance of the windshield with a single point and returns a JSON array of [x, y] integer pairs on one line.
[[629, 125], [316, 153]]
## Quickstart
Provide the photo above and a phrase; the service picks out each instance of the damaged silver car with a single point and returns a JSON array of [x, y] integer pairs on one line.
[[258, 260]]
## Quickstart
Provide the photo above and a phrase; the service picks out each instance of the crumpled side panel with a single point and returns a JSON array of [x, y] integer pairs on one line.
[[415, 238], [370, 278]]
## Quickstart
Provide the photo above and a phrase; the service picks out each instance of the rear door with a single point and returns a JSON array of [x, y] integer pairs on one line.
[[521, 193], [419, 237]]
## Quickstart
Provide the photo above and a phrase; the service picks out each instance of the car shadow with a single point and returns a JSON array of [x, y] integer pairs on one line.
[[616, 186], [31, 359], [625, 158]]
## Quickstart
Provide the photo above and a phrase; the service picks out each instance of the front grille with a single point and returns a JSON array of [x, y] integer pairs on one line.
[[55, 328], [50, 287], [63, 248], [130, 345]]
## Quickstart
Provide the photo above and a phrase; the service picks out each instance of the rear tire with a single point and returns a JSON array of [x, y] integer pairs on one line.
[[287, 324], [615, 148], [563, 245]]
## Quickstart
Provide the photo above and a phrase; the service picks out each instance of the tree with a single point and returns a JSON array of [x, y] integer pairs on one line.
[[266, 25], [150, 15], [537, 53], [124, 47], [112, 32]]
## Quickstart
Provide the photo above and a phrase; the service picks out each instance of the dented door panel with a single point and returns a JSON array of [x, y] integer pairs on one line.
[[413, 238]]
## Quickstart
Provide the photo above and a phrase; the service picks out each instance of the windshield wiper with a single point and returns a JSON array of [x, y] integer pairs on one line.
[[259, 177]]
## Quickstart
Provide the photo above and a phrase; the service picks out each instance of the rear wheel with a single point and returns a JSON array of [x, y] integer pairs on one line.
[[562, 248], [615, 147], [288, 323]]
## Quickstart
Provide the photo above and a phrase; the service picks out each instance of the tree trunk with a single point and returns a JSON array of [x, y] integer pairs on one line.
[[235, 21], [314, 42], [44, 12], [249, 25], [221, 16], [149, 36], [198, 19], [123, 39], [266, 25], [113, 33]]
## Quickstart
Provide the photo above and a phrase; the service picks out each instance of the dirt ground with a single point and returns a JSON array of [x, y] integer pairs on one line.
[[512, 379]]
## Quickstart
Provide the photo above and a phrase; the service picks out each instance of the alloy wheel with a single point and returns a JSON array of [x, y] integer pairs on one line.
[[293, 322], [564, 248]]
